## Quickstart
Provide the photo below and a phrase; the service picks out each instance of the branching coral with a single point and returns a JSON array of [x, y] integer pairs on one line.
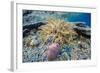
[[60, 31]]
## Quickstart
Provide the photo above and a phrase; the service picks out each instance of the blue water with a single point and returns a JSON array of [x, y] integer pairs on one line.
[[36, 16], [83, 17]]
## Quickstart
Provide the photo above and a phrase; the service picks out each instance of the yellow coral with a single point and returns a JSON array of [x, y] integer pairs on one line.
[[60, 30]]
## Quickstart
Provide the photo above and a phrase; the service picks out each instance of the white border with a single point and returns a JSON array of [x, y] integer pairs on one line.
[[17, 34]]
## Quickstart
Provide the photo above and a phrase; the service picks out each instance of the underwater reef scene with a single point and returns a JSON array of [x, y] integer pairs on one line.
[[56, 36]]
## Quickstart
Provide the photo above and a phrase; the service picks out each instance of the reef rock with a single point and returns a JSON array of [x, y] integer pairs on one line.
[[26, 12], [28, 28], [83, 30]]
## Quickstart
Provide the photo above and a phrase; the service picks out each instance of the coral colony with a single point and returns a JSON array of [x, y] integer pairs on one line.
[[56, 36]]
